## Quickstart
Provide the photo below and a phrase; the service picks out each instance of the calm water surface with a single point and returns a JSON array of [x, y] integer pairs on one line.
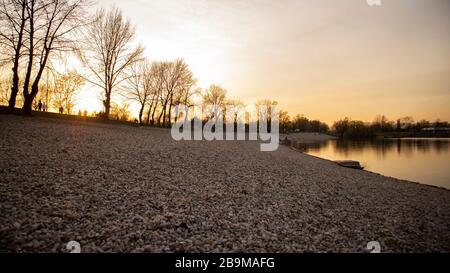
[[421, 160]]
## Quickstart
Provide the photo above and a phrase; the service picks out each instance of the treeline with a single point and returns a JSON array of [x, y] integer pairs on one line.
[[40, 39], [301, 124], [383, 126]]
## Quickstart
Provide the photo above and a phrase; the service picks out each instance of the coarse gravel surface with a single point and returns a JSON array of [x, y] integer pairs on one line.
[[118, 188]]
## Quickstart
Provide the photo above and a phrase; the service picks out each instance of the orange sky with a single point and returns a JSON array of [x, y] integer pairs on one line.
[[326, 59]]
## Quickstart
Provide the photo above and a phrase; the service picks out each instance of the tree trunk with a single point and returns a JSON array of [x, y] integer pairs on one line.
[[15, 69], [141, 112], [35, 87], [14, 92], [170, 110], [149, 112], [15, 82], [26, 86], [107, 106], [162, 114], [153, 114], [27, 105], [28, 99]]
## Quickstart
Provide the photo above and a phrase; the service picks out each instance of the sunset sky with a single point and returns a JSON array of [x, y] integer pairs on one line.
[[327, 59]]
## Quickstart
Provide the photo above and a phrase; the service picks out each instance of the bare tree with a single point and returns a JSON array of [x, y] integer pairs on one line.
[[285, 121], [4, 90], [164, 95], [214, 96], [186, 91], [108, 51], [180, 84], [67, 86], [50, 26], [176, 80], [120, 111], [234, 108], [261, 107], [139, 85], [155, 80], [13, 20]]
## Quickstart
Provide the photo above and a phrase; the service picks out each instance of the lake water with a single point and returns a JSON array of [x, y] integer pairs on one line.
[[421, 160]]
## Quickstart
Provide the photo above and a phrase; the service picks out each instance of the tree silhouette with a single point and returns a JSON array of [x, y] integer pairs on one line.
[[214, 96], [67, 86], [13, 19], [50, 24], [139, 85], [107, 51]]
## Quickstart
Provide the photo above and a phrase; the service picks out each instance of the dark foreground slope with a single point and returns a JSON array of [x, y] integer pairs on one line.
[[120, 188]]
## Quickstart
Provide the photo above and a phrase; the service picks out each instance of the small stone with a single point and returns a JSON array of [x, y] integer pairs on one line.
[[148, 248]]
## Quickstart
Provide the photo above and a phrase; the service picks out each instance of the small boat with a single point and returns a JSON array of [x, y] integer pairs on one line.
[[350, 164]]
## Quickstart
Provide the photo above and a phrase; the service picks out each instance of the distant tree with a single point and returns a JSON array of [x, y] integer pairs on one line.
[[285, 121], [353, 129], [341, 127], [422, 124], [67, 86], [301, 123], [168, 82], [234, 107], [107, 51], [359, 129], [439, 124], [139, 86], [154, 80], [317, 126], [382, 124], [405, 123], [4, 91], [178, 81], [120, 111], [214, 96], [262, 105], [186, 90]]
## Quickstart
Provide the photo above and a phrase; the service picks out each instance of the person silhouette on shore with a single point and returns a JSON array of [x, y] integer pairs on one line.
[[61, 109], [40, 106]]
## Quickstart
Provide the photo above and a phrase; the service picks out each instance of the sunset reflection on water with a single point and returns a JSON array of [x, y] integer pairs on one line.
[[420, 160]]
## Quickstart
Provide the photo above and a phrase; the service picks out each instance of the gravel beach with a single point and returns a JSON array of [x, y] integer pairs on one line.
[[118, 188]]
